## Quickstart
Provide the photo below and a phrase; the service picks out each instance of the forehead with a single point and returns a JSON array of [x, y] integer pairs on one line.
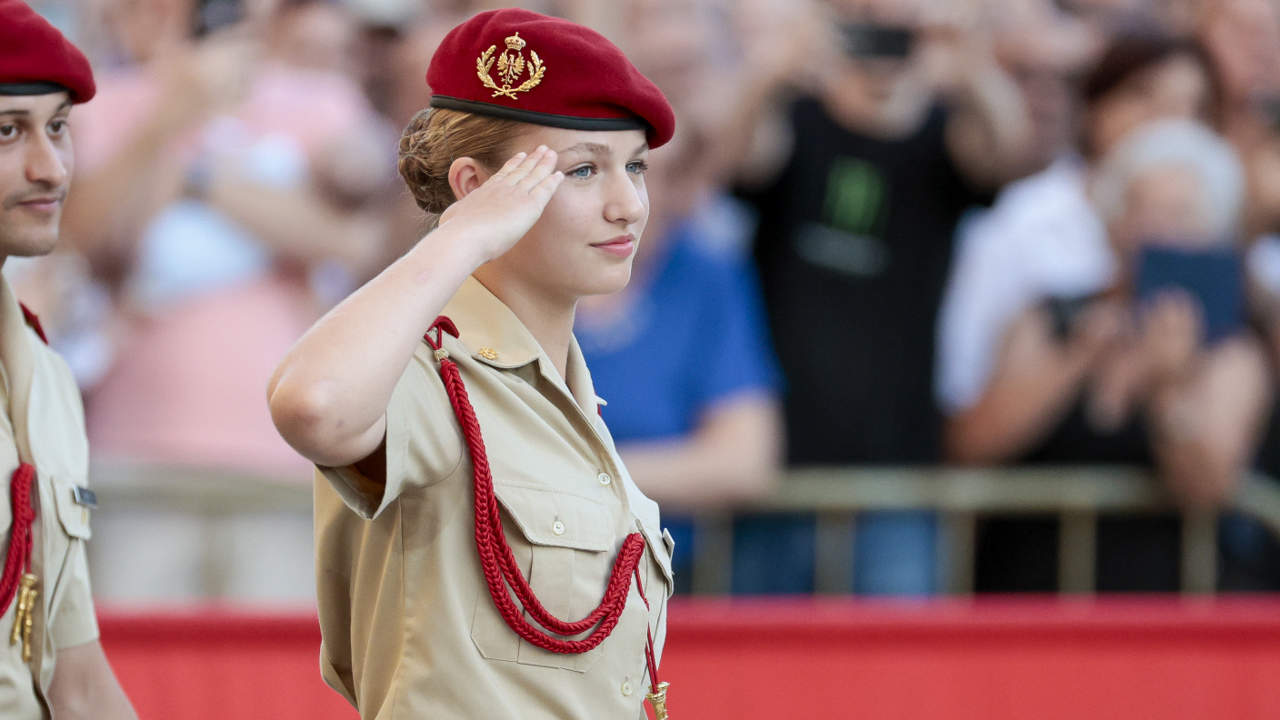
[[616, 142], [39, 105]]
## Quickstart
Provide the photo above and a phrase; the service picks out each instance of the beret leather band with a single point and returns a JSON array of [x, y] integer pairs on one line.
[[571, 122], [32, 88]]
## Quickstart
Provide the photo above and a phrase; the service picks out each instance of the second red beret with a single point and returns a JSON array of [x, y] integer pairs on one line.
[[36, 59]]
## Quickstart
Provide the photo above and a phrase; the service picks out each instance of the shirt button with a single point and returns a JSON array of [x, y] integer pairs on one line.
[[626, 688], [604, 478], [557, 527]]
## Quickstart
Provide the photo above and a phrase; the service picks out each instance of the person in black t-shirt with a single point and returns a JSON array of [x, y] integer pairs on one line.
[[911, 124]]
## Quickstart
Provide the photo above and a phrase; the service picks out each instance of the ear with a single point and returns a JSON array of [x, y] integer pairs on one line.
[[465, 175]]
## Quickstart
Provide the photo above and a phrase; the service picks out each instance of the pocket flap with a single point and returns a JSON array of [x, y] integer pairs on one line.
[[73, 515], [662, 550], [556, 519]]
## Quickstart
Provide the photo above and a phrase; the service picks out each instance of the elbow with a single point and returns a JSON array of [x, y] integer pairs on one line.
[[302, 413]]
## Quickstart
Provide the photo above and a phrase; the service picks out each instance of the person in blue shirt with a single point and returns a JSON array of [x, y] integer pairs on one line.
[[682, 356]]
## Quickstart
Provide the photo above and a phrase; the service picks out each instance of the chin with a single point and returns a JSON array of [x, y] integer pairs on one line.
[[28, 242], [608, 282]]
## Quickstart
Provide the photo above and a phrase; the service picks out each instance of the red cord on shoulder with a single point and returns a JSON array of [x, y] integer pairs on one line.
[[34, 322]]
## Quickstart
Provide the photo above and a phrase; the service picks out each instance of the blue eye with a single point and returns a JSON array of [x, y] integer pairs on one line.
[[582, 172], [637, 167]]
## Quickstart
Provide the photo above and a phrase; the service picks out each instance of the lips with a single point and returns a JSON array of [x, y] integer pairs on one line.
[[621, 246], [42, 203]]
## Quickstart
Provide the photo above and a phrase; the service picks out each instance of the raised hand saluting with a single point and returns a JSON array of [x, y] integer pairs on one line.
[[498, 212]]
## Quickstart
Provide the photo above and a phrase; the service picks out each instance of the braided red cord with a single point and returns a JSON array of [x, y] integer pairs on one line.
[[496, 558], [34, 322], [649, 658], [18, 559]]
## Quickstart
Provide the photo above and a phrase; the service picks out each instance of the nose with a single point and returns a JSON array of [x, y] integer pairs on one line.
[[45, 162], [627, 202]]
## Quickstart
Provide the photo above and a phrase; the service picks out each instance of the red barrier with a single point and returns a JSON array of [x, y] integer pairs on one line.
[[1163, 658]]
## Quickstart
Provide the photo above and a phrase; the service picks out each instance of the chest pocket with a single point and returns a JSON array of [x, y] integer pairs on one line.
[[565, 546]]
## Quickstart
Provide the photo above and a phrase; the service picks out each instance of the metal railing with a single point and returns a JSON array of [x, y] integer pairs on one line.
[[1076, 495]]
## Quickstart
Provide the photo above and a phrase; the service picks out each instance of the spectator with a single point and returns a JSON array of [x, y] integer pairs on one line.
[[220, 201], [1244, 39], [1094, 381], [1044, 238], [682, 355], [911, 125]]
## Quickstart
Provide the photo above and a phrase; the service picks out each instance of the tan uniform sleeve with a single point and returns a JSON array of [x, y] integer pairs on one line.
[[74, 621], [423, 443]]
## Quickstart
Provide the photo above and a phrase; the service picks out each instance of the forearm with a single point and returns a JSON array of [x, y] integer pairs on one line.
[[731, 459], [296, 224], [1205, 426], [1015, 411], [329, 396], [990, 132], [108, 206]]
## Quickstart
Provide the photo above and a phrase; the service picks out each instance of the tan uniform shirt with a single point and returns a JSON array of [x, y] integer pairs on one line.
[[409, 628], [43, 405]]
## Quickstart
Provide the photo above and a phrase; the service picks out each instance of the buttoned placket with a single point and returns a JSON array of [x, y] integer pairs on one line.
[[609, 466]]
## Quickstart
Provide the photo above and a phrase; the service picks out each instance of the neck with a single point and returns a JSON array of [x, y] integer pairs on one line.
[[549, 319]]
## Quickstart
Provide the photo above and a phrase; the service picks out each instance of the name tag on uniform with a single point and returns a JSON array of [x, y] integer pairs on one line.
[[84, 496]]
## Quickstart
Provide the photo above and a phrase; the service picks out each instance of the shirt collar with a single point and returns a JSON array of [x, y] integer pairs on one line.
[[489, 330], [493, 335]]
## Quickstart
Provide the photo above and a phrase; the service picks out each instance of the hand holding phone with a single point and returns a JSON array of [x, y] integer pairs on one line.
[[873, 41], [1212, 278]]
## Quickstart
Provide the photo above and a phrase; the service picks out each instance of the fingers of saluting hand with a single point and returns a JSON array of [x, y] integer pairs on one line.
[[542, 164], [509, 167]]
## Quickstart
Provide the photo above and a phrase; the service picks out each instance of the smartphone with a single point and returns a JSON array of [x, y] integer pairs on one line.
[[875, 41], [1214, 277], [1268, 107], [213, 15], [1064, 311]]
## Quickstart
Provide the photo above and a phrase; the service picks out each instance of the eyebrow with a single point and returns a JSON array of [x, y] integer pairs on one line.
[[599, 149], [66, 104]]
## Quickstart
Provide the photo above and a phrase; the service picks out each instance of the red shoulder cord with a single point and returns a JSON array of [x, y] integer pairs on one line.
[[18, 559], [499, 563]]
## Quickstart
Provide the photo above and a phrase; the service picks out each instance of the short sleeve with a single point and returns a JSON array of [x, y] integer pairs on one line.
[[1264, 264], [74, 621], [423, 443], [980, 296], [743, 359]]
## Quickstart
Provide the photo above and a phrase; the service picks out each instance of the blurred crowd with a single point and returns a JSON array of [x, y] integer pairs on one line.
[[888, 232]]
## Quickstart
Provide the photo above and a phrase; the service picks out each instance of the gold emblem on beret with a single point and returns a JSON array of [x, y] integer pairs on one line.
[[511, 66]]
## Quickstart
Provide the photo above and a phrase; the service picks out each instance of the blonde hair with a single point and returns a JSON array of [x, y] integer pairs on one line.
[[435, 137]]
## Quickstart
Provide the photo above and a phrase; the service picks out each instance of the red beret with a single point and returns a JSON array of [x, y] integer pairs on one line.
[[520, 65], [35, 59]]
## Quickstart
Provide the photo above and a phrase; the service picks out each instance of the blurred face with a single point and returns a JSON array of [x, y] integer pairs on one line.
[[1175, 88], [1263, 166], [141, 27], [318, 37], [35, 169], [895, 89], [1163, 205], [1244, 37], [586, 239]]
